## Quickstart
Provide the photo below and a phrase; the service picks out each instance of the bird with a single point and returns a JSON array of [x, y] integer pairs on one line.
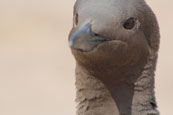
[[115, 44]]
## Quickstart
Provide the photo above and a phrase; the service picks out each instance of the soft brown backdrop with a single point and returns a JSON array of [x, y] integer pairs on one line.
[[37, 68]]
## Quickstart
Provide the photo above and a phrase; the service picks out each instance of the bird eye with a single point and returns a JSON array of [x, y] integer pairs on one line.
[[130, 23], [76, 18]]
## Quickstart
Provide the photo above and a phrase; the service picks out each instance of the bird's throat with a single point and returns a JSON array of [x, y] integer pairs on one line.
[[96, 97], [93, 97]]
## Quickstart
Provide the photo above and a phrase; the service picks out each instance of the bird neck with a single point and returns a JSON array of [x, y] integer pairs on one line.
[[96, 96], [93, 97]]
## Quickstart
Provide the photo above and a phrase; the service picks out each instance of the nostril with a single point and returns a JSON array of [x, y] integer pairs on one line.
[[95, 34]]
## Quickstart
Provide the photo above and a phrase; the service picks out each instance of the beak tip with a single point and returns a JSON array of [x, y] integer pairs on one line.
[[70, 44]]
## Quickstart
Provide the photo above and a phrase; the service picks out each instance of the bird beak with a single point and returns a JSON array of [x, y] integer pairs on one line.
[[85, 31], [85, 39]]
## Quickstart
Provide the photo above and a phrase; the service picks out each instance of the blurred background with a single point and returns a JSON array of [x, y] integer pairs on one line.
[[36, 65]]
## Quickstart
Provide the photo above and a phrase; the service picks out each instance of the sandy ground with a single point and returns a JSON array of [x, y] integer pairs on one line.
[[36, 65]]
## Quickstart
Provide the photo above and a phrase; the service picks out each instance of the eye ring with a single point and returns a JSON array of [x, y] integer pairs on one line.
[[129, 23]]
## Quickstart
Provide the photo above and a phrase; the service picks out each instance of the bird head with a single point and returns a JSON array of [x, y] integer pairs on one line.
[[119, 33]]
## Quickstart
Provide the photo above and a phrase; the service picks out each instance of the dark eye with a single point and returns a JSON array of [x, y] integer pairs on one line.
[[76, 19], [130, 23]]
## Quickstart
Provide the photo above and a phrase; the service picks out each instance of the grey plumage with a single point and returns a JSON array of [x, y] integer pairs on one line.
[[115, 63]]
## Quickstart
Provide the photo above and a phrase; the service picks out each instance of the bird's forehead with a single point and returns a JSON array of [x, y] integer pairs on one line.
[[106, 15], [115, 8]]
